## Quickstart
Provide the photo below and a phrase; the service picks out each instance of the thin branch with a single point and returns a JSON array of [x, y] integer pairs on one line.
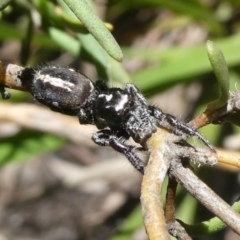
[[151, 201], [174, 227], [229, 157], [225, 113], [163, 150], [178, 231], [40, 118], [208, 227], [204, 194], [170, 201], [9, 76]]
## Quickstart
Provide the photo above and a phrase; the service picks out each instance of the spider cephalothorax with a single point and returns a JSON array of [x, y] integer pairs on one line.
[[119, 113]]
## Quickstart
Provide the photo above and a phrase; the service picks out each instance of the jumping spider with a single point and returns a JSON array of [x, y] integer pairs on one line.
[[119, 113]]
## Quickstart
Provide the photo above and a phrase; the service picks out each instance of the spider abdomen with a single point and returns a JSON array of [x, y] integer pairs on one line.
[[61, 89]]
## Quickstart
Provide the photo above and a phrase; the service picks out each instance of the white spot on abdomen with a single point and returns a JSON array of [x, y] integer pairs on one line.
[[56, 82]]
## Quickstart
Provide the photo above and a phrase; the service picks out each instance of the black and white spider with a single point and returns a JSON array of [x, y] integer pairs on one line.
[[119, 113]]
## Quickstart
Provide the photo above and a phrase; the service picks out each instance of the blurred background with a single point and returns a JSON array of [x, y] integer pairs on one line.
[[54, 182]]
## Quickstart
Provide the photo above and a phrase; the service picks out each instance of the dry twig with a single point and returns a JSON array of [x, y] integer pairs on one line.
[[40, 118], [203, 193], [154, 176]]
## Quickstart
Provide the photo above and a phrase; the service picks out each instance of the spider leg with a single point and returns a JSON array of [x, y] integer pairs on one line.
[[177, 127], [101, 86], [133, 91], [107, 138], [4, 93], [102, 138], [128, 151]]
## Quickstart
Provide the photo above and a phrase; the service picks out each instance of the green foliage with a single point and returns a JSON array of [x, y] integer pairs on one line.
[[4, 4], [84, 13], [221, 71], [27, 144], [178, 65], [209, 227]]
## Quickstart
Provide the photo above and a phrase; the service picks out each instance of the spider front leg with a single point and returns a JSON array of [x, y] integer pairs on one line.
[[134, 91], [179, 128], [107, 138]]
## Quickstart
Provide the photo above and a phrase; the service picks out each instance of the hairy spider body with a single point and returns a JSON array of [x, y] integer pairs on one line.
[[120, 113], [61, 89]]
